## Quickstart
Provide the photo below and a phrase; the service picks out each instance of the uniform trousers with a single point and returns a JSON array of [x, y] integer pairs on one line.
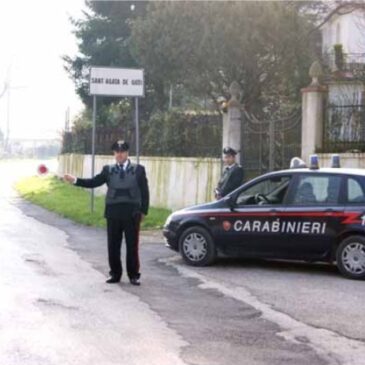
[[116, 229]]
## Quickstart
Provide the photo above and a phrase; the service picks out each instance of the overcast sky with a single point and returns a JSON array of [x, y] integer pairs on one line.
[[33, 37]]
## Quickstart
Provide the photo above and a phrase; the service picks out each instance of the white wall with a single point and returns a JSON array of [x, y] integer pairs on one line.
[[354, 36], [174, 182], [348, 160], [348, 30]]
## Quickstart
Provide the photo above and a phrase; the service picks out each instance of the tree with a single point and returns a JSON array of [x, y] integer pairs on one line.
[[199, 48], [339, 8], [103, 37], [205, 46]]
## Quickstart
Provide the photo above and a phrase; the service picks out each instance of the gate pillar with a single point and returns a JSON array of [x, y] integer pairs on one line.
[[313, 112], [232, 121]]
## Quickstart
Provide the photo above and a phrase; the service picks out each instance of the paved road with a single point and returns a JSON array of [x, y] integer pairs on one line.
[[56, 309]]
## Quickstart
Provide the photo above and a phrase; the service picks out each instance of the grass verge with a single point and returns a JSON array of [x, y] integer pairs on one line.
[[74, 202]]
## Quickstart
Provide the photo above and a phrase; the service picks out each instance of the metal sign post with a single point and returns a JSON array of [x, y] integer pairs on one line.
[[137, 129], [93, 151], [107, 81]]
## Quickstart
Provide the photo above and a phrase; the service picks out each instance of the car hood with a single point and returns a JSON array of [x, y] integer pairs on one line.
[[206, 206]]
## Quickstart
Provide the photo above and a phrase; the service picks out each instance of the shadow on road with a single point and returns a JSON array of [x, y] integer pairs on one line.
[[283, 266]]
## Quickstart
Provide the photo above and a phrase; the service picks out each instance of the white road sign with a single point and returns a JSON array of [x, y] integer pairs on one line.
[[116, 81]]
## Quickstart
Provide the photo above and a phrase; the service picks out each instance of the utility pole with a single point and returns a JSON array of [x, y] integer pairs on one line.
[[1, 95], [67, 120], [7, 138], [271, 145], [7, 89], [170, 97]]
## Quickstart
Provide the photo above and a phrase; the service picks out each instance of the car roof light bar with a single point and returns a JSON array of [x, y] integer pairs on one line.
[[335, 161], [313, 162]]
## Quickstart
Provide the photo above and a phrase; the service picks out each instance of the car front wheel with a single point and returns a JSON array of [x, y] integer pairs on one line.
[[197, 247], [350, 257]]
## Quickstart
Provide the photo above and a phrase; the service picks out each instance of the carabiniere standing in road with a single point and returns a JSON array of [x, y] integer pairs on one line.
[[232, 176], [126, 204]]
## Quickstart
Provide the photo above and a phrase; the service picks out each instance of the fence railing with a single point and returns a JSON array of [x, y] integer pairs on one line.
[[185, 136], [354, 62], [344, 128]]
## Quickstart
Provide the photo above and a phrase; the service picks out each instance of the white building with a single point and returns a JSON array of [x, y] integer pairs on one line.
[[347, 30], [345, 117]]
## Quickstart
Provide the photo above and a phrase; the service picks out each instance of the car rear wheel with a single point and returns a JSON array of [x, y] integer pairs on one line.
[[197, 247], [350, 257]]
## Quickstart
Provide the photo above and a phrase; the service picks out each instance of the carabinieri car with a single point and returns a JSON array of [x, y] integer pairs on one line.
[[311, 214]]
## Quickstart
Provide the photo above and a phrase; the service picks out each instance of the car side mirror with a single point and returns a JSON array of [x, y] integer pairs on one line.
[[231, 202]]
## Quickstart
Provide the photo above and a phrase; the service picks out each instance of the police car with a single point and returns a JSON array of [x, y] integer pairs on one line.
[[311, 214]]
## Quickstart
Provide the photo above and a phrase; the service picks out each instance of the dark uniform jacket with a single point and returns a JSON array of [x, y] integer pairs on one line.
[[120, 210], [231, 179]]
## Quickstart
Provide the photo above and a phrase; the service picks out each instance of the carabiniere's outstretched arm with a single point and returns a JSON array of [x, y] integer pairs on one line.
[[95, 182]]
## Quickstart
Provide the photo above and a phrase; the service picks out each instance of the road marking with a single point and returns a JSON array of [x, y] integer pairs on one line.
[[328, 344]]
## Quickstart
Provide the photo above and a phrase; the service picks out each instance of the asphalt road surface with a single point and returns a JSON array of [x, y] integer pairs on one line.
[[56, 309]]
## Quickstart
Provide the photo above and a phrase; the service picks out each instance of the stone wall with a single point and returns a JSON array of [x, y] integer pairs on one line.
[[174, 182]]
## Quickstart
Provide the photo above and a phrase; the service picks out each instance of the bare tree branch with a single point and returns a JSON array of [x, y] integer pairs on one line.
[[341, 9]]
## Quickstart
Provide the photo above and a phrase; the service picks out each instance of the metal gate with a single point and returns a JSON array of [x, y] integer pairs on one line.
[[269, 144]]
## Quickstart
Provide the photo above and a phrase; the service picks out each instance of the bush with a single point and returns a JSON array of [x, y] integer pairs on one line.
[[179, 134]]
